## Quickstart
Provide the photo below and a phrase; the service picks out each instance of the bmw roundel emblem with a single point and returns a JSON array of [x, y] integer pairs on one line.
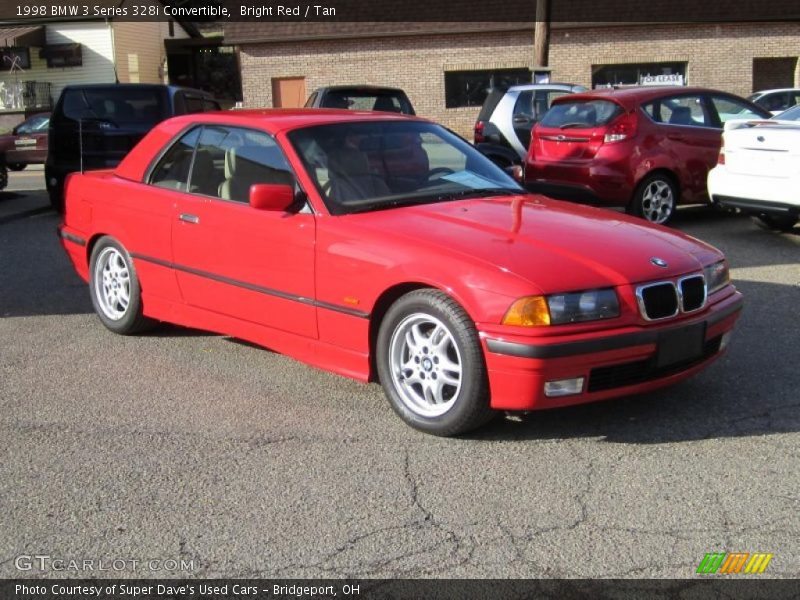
[[659, 262]]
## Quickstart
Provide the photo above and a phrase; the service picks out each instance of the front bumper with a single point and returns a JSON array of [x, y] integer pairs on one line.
[[612, 364]]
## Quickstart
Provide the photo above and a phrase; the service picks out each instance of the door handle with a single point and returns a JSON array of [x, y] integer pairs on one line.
[[676, 137], [187, 218]]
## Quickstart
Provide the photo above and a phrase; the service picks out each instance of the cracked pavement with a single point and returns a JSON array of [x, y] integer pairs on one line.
[[180, 444]]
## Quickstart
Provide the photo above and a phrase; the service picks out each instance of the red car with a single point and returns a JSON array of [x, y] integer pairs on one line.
[[27, 142], [646, 149], [311, 233]]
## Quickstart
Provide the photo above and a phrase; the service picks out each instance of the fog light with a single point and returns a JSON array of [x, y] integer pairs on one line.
[[563, 387], [726, 338]]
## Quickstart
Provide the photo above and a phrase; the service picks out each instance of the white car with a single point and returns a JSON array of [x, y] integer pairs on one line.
[[758, 171], [776, 101]]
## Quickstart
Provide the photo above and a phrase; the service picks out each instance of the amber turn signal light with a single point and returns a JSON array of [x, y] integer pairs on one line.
[[530, 311]]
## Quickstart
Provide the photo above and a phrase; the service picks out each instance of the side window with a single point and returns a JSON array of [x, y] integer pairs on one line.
[[310, 102], [681, 110], [195, 104], [524, 106], [230, 159], [172, 171], [730, 108], [775, 102]]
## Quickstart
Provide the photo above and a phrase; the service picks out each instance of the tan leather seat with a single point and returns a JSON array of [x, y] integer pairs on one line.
[[246, 165]]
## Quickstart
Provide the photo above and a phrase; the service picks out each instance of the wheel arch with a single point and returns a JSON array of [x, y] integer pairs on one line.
[[670, 173], [388, 297]]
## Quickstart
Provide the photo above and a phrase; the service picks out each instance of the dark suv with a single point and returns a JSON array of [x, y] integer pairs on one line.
[[361, 97], [94, 126]]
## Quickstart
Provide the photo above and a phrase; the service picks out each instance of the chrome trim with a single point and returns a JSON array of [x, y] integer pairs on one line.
[[563, 138], [643, 309], [680, 292]]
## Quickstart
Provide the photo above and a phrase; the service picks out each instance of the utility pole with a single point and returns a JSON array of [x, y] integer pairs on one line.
[[541, 34]]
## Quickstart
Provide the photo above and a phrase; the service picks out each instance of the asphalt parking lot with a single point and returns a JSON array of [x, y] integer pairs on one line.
[[183, 445]]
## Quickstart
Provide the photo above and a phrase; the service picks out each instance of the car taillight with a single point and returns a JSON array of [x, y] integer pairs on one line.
[[479, 125], [621, 129], [721, 157]]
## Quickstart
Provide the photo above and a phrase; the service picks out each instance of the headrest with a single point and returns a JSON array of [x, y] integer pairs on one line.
[[348, 162], [385, 104], [681, 115], [241, 160]]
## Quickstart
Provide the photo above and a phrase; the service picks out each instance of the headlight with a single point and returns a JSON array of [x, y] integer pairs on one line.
[[558, 309], [717, 276]]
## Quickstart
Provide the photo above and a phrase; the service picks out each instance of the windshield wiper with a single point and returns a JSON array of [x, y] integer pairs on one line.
[[433, 199], [574, 126], [499, 191]]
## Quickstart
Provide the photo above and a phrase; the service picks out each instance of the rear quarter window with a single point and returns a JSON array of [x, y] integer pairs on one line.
[[581, 114]]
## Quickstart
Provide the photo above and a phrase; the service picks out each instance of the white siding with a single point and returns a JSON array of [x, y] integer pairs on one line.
[[97, 50]]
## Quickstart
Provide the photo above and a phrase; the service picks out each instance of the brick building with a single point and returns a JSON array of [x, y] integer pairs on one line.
[[445, 68]]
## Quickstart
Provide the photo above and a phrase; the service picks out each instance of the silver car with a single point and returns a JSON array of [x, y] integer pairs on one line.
[[503, 128]]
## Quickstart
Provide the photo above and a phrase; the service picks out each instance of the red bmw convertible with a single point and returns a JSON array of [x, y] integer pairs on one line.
[[384, 246]]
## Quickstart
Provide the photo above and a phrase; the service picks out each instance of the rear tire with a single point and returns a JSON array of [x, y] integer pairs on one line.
[[655, 199], [781, 223], [17, 166], [114, 288], [57, 201], [431, 364]]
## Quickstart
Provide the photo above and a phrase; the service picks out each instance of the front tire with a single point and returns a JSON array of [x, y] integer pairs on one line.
[[779, 222], [431, 365], [114, 288], [655, 199]]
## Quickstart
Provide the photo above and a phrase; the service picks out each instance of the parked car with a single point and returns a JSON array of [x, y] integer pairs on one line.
[[646, 149], [27, 142], [757, 171], [94, 126], [776, 101], [503, 129], [308, 233], [361, 97]]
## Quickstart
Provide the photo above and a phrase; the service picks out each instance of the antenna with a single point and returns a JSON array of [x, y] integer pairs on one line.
[[80, 142]]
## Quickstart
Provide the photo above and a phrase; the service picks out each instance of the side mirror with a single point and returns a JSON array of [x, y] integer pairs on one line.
[[516, 173], [271, 196]]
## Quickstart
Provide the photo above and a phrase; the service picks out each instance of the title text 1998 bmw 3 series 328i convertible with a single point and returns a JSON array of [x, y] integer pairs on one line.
[[385, 246]]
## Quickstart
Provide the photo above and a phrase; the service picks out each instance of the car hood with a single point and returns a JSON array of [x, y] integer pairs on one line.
[[554, 245]]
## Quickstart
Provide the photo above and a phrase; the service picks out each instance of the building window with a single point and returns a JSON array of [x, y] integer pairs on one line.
[[14, 59], [62, 55], [672, 73], [469, 88]]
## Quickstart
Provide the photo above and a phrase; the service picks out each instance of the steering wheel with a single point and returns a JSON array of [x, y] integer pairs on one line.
[[440, 171]]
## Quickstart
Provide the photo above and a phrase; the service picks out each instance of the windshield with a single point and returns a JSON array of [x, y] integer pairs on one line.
[[374, 165], [793, 114], [581, 114], [379, 100], [116, 105]]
